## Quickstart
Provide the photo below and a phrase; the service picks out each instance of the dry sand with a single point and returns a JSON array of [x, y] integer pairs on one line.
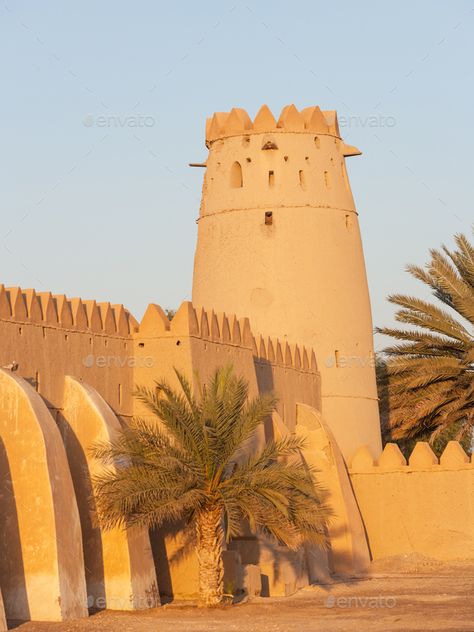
[[402, 594]]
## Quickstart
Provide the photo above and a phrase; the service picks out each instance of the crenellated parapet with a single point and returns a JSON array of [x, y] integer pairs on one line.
[[422, 504], [204, 324], [58, 311], [237, 122], [293, 356], [422, 457], [228, 329]]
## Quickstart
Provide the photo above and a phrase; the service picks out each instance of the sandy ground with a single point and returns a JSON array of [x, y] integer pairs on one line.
[[421, 596]]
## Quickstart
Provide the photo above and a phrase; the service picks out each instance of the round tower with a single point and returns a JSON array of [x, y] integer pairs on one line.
[[279, 242]]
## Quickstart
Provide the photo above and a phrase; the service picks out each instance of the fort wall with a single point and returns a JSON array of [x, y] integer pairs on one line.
[[51, 336], [81, 360], [423, 506]]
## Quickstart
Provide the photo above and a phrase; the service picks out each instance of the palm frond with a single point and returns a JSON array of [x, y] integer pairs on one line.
[[426, 383], [195, 454]]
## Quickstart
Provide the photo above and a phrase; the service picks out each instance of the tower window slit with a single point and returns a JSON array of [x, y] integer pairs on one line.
[[302, 179], [236, 179]]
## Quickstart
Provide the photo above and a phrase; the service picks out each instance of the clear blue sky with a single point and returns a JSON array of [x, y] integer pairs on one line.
[[108, 212]]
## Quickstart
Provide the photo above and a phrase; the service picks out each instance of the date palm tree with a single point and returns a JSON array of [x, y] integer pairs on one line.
[[193, 459], [427, 389]]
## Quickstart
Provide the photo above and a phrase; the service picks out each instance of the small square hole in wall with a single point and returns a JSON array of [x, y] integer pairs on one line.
[[268, 218], [141, 344]]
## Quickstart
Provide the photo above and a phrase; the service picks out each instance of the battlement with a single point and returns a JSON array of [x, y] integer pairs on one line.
[[422, 457], [293, 356], [237, 122], [225, 329], [422, 505], [58, 311]]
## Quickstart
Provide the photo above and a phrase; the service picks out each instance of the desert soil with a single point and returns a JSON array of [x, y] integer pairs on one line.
[[412, 595]]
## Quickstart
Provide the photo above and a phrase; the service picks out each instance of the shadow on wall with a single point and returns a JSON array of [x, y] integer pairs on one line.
[[173, 548], [12, 572], [91, 535], [265, 383]]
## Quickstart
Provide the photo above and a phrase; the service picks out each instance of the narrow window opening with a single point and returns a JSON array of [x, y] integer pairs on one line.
[[327, 180], [44, 332], [268, 218], [66, 337], [37, 381], [317, 142], [271, 178], [302, 180], [119, 394], [106, 342], [285, 158], [20, 330], [338, 359], [178, 342], [236, 181]]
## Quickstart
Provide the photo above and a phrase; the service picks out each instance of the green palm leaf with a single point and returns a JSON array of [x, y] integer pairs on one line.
[[426, 384], [192, 460]]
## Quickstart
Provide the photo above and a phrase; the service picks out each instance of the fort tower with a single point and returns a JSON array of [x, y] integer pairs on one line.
[[279, 242]]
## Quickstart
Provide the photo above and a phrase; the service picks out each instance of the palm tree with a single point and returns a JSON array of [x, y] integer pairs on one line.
[[193, 460], [427, 386]]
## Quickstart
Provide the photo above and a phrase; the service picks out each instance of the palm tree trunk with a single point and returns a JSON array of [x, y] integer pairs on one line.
[[210, 538]]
